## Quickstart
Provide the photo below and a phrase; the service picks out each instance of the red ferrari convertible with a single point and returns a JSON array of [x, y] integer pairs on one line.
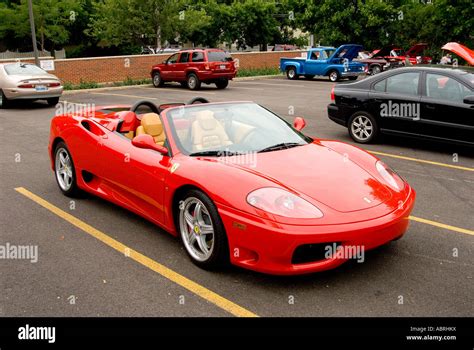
[[234, 181]]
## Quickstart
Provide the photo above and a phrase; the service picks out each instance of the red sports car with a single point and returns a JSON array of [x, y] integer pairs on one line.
[[234, 181]]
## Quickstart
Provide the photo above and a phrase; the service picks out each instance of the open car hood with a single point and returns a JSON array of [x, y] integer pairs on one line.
[[351, 51], [384, 51], [416, 50], [460, 50]]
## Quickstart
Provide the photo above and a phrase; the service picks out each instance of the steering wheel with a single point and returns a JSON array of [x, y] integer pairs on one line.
[[146, 103], [197, 100]]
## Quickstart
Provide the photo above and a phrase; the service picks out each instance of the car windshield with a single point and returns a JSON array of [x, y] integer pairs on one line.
[[231, 128], [218, 56], [327, 53], [23, 69]]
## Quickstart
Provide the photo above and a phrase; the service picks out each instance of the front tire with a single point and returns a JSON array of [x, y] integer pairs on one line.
[[375, 70], [202, 231], [222, 84], [193, 82], [334, 76], [157, 80], [64, 171], [291, 73], [363, 127]]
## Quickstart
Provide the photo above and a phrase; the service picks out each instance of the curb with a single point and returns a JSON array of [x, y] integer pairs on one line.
[[68, 92]]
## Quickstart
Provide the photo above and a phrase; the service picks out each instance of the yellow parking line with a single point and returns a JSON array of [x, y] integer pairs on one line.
[[422, 161], [171, 275], [441, 225]]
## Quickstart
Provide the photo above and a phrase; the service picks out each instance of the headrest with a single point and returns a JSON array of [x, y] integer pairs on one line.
[[152, 124], [206, 120]]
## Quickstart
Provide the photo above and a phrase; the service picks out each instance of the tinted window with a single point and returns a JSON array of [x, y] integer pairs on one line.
[[197, 57], [404, 83], [380, 86], [184, 57], [23, 69], [173, 58], [442, 87], [218, 56]]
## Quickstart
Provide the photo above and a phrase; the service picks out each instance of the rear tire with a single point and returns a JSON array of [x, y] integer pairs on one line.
[[333, 75], [193, 82], [157, 80], [291, 73], [222, 84], [65, 171], [363, 127], [191, 224], [375, 69], [52, 101], [4, 102]]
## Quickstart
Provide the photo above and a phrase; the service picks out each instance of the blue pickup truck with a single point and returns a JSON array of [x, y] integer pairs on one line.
[[325, 61]]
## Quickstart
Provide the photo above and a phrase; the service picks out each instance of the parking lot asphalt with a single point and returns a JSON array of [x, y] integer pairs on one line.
[[81, 272]]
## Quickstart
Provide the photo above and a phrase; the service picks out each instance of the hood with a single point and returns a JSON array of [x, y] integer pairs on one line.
[[416, 50], [384, 51], [321, 174], [460, 50], [351, 51]]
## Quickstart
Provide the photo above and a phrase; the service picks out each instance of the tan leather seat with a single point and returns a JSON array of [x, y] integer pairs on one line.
[[151, 125], [207, 132]]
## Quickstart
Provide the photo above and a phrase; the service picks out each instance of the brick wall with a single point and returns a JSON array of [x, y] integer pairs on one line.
[[119, 68]]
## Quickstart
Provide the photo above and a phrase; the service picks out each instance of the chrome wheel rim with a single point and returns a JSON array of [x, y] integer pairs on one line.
[[156, 79], [1, 99], [376, 70], [333, 76], [192, 82], [362, 128], [197, 230], [64, 172], [291, 73]]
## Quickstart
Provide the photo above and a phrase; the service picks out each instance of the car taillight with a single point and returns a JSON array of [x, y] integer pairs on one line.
[[26, 86], [54, 84], [333, 97]]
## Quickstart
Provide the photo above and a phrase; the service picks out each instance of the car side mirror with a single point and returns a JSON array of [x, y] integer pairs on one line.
[[147, 142], [165, 62], [469, 100], [299, 123]]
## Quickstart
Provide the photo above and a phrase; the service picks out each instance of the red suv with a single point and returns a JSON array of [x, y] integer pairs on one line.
[[192, 67]]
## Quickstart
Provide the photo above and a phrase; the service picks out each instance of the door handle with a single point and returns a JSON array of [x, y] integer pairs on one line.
[[378, 100], [430, 106]]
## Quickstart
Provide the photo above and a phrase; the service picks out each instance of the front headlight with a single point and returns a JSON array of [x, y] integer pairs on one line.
[[281, 202], [390, 176]]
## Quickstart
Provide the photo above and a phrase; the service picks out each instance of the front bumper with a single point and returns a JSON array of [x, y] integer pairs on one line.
[[352, 73], [20, 93], [269, 247]]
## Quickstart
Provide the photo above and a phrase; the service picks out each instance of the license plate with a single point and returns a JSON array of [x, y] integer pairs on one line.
[[41, 88], [223, 66]]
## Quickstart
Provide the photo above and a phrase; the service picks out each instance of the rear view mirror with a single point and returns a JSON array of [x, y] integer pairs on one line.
[[299, 123], [469, 100], [147, 142]]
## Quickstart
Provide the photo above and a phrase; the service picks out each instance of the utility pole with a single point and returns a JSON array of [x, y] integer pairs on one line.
[[33, 31]]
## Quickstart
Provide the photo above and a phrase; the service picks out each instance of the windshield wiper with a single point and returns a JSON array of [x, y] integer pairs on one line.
[[222, 153], [278, 146]]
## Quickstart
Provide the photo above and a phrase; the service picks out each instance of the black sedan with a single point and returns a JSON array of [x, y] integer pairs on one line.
[[423, 102]]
